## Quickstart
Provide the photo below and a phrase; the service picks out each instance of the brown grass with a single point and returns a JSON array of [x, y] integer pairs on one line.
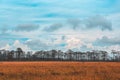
[[59, 71]]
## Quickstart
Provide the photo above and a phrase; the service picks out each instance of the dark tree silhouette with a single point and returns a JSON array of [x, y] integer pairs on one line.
[[69, 55], [104, 55], [54, 53], [19, 53], [10, 55]]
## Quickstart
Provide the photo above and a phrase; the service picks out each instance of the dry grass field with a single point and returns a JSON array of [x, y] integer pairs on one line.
[[59, 71]]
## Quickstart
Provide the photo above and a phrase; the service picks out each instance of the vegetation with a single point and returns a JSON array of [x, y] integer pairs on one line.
[[59, 70], [58, 55]]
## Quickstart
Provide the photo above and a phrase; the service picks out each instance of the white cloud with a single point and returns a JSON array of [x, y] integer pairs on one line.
[[6, 47], [114, 47], [107, 48], [89, 46], [74, 43], [38, 44], [17, 44]]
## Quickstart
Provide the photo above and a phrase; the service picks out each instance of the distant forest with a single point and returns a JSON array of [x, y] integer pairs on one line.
[[58, 55]]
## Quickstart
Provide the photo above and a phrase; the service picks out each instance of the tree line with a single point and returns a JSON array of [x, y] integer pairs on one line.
[[58, 55]]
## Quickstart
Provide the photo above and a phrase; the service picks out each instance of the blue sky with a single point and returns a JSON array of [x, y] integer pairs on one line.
[[60, 24]]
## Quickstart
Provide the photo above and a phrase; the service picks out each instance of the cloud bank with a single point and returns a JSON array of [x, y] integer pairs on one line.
[[73, 24]]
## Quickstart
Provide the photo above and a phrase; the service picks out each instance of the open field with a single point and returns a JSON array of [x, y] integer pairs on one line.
[[59, 71]]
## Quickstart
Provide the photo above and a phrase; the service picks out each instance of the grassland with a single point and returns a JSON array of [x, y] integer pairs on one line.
[[59, 71]]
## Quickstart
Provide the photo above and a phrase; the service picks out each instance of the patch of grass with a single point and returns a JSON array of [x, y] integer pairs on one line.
[[59, 71]]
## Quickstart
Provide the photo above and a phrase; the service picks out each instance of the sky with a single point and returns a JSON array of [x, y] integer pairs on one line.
[[79, 25]]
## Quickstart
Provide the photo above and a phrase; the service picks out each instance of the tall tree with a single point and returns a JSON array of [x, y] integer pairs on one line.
[[19, 53], [10, 55], [54, 52], [104, 55]]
